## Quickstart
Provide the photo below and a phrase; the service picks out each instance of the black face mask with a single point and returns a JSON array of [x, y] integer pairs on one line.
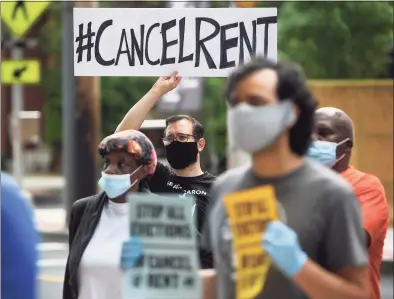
[[181, 154]]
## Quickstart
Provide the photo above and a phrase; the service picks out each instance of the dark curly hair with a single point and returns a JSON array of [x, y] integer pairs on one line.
[[292, 86]]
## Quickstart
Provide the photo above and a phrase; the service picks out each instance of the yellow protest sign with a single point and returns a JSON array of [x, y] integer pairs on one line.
[[20, 72], [249, 212], [19, 16]]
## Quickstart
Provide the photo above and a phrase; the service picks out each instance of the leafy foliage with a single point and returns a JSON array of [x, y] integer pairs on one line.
[[118, 95], [337, 40], [51, 37]]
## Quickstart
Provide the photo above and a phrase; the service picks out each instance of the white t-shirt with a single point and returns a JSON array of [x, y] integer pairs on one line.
[[100, 276]]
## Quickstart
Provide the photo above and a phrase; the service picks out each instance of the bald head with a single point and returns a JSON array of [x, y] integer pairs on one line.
[[335, 121], [334, 125]]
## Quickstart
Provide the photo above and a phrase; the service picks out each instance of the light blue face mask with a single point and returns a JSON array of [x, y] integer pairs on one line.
[[115, 185], [325, 152]]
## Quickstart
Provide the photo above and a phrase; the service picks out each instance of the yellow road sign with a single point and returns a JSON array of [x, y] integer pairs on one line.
[[20, 72], [20, 15]]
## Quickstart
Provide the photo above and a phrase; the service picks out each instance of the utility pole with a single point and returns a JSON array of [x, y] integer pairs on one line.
[[88, 126], [69, 104]]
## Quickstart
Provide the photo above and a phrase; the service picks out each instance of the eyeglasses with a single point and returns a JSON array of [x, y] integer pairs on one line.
[[180, 137]]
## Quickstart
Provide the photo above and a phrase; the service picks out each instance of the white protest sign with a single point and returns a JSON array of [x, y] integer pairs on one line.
[[204, 42], [169, 266]]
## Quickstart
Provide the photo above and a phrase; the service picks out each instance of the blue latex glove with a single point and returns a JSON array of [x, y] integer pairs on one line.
[[131, 252], [281, 244]]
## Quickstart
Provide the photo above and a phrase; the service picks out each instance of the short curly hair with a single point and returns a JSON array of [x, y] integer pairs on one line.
[[132, 142], [292, 86]]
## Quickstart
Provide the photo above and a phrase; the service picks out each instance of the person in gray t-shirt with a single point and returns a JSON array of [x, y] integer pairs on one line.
[[317, 248]]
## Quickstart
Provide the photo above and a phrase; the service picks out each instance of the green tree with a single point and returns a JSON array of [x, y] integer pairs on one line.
[[337, 40], [118, 95], [51, 38]]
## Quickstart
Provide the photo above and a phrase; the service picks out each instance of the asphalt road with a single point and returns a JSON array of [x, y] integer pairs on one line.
[[53, 261]]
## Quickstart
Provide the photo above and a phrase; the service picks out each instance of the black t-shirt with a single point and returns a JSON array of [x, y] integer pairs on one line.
[[165, 181]]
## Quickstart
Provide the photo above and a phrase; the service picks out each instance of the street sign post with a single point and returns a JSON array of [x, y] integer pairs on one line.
[[19, 16], [20, 72]]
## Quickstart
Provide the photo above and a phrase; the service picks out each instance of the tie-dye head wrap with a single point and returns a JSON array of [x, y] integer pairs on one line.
[[133, 142]]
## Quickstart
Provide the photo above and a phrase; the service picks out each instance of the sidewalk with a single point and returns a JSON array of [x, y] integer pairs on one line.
[[44, 189], [51, 223], [41, 183]]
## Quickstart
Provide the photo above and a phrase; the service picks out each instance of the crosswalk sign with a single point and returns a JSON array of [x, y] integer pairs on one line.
[[20, 15], [15, 72]]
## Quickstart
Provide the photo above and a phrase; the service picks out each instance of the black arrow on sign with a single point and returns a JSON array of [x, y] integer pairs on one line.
[[20, 5], [18, 72]]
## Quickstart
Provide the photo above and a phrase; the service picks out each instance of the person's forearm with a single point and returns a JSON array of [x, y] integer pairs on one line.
[[318, 283], [208, 278], [137, 114]]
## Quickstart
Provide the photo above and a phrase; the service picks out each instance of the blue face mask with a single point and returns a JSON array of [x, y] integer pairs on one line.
[[115, 185], [325, 152]]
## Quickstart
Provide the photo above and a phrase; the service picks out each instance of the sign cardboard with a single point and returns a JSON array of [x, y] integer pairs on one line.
[[205, 42], [20, 72], [169, 266], [19, 16], [249, 211]]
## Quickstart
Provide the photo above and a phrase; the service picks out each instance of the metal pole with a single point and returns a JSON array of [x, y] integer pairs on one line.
[[68, 101], [17, 107], [88, 123]]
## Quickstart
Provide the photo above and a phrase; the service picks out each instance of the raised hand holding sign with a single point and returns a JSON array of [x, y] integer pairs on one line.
[[166, 84]]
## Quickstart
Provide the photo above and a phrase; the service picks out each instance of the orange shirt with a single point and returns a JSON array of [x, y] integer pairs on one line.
[[370, 192]]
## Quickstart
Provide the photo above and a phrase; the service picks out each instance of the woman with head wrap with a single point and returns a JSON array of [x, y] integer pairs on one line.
[[99, 224]]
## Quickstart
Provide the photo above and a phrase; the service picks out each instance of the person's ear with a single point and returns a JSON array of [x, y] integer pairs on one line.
[[296, 115], [348, 145], [139, 175], [201, 144], [297, 111]]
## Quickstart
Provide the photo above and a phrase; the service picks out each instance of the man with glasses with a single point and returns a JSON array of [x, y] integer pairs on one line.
[[184, 141]]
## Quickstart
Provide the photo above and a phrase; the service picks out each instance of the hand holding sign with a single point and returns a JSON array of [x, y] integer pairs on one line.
[[131, 251], [281, 244], [166, 84], [161, 259]]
